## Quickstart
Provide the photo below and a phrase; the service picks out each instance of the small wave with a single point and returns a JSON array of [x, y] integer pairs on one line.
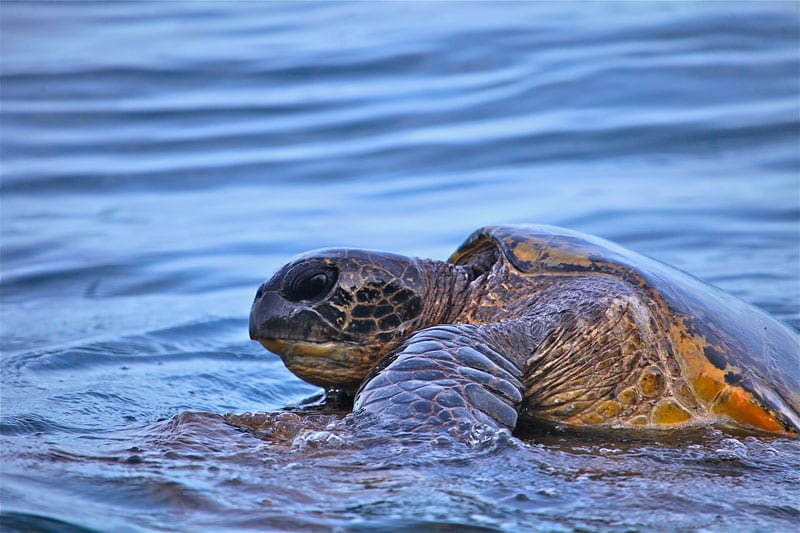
[[19, 521], [29, 424], [201, 339]]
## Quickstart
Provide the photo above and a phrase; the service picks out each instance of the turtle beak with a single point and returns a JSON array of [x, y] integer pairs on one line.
[[268, 314], [272, 317]]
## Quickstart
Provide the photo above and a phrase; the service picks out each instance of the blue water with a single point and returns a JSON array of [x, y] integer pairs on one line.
[[160, 160]]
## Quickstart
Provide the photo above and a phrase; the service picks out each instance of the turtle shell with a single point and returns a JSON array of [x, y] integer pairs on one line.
[[740, 362]]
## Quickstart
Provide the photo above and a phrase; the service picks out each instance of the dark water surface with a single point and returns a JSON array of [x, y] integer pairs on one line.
[[159, 160]]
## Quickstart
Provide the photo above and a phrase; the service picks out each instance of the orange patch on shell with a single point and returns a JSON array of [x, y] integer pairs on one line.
[[706, 388], [742, 407], [526, 251], [560, 256]]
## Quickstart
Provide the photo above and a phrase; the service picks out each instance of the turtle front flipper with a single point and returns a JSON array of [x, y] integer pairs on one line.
[[443, 376]]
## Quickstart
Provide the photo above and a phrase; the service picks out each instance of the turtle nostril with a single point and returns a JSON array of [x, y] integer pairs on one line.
[[260, 292]]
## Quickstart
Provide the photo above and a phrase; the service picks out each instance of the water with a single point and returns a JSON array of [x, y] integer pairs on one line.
[[160, 160]]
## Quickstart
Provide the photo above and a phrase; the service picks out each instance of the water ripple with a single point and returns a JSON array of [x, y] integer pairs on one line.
[[159, 160]]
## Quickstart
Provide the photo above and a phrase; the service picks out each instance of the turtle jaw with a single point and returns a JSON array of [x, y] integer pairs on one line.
[[331, 365], [310, 347]]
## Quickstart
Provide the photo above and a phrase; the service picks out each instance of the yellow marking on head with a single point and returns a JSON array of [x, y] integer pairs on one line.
[[302, 349], [276, 346], [327, 364]]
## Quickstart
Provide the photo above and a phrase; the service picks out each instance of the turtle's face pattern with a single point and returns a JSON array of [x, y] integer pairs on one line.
[[332, 314]]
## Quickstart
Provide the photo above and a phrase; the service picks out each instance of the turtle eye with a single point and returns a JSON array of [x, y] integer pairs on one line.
[[308, 283]]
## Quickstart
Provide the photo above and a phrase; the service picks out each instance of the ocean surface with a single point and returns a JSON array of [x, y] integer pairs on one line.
[[161, 159]]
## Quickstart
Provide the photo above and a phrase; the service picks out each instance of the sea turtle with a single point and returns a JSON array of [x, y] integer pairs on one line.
[[530, 324]]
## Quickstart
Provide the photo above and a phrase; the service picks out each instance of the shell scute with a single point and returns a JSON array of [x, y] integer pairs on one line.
[[669, 412]]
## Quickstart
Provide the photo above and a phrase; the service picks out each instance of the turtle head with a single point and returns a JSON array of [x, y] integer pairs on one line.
[[332, 314]]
